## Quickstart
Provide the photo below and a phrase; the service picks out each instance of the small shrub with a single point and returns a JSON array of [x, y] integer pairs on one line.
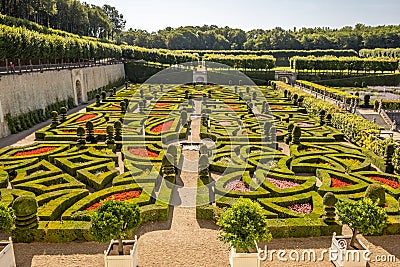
[[244, 223]]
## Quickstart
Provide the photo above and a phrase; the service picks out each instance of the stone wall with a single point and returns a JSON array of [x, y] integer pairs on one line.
[[20, 94]]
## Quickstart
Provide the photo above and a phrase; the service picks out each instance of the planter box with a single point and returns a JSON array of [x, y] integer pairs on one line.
[[130, 260], [7, 258], [342, 257], [243, 259]]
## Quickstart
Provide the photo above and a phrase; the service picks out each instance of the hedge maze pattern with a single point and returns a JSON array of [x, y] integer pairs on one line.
[[286, 163]]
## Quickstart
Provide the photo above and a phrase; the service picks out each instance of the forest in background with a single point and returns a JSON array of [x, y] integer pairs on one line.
[[108, 23]]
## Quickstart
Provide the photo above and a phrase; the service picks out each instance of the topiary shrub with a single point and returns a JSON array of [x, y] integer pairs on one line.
[[376, 193], [63, 112], [54, 120], [244, 223], [110, 135], [118, 130], [296, 134], [367, 99], [7, 218], [329, 202], [322, 117], [376, 105], [114, 219], [184, 117], [98, 101], [80, 132], [203, 165], [364, 216], [168, 167], [90, 132], [103, 95], [122, 105], [25, 210]]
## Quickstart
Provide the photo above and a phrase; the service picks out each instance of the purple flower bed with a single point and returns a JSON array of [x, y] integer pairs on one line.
[[305, 208], [237, 185], [282, 184]]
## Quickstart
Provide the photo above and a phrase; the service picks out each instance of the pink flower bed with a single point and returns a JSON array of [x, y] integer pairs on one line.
[[305, 124], [225, 123], [86, 117], [36, 151], [166, 126], [237, 185], [305, 208], [282, 184]]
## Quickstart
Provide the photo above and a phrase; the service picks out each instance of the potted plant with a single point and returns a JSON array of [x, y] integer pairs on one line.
[[364, 216], [114, 220], [241, 226], [7, 258]]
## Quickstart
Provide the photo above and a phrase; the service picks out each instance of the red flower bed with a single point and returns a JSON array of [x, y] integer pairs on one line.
[[282, 184], [69, 131], [237, 185], [36, 151], [232, 107], [338, 183], [100, 131], [276, 108], [143, 152], [166, 126], [117, 197], [386, 181], [161, 105], [301, 208], [86, 117]]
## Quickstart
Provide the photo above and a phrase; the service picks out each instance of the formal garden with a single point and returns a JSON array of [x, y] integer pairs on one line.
[[287, 154]]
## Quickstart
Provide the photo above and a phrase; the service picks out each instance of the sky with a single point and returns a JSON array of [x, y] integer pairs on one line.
[[153, 15]]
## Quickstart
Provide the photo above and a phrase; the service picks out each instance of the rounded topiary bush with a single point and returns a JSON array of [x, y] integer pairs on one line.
[[329, 199], [25, 206], [376, 193], [25, 210]]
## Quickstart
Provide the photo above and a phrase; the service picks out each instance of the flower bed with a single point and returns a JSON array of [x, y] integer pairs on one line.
[[166, 126], [305, 208], [282, 184], [386, 181], [86, 117], [36, 151], [117, 197], [161, 105], [336, 183], [237, 185], [142, 152], [305, 124]]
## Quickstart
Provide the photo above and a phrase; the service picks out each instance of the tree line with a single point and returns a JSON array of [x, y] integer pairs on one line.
[[107, 22], [216, 38], [104, 22]]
